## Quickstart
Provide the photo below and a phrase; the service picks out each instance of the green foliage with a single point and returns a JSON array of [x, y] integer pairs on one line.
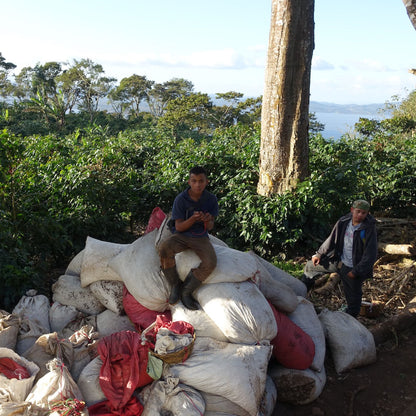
[[55, 190]]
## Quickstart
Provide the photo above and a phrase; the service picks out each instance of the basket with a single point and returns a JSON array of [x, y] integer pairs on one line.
[[174, 357], [177, 357]]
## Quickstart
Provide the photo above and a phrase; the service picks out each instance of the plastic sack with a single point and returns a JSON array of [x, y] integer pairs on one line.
[[68, 291], [297, 386], [139, 315], [139, 267], [281, 276], [61, 315], [171, 396], [89, 382], [9, 329], [232, 265], [236, 372], [46, 348], [203, 325], [292, 347], [124, 367], [307, 319], [84, 343], [97, 255], [109, 322], [351, 343], [110, 294], [34, 308], [15, 390], [240, 311], [53, 389], [282, 296]]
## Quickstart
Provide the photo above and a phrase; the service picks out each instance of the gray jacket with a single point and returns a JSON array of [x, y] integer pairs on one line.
[[364, 246]]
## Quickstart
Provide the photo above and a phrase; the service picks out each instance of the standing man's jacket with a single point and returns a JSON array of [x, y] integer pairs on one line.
[[364, 247]]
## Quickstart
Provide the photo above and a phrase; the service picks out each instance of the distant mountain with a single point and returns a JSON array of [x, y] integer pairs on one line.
[[363, 109]]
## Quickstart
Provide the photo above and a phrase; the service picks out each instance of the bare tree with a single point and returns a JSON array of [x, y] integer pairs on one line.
[[284, 151]]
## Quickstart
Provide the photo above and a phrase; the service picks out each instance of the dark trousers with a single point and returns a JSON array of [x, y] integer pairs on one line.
[[202, 246], [352, 287]]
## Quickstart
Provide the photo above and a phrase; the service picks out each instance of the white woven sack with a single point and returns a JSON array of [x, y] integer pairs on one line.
[[61, 315], [203, 325], [29, 332], [14, 390], [97, 255], [232, 265], [74, 267], [14, 409], [53, 387], [171, 397], [139, 267], [34, 307], [284, 277], [297, 386], [268, 402], [352, 344], [282, 296], [83, 342], [110, 294], [109, 322], [9, 329], [89, 382], [306, 318], [240, 311], [236, 372], [218, 405], [68, 291]]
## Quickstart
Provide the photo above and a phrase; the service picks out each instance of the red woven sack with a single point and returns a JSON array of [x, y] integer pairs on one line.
[[11, 369], [124, 367], [155, 221], [140, 316], [292, 347]]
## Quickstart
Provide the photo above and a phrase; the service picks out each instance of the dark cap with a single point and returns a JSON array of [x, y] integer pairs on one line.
[[361, 204]]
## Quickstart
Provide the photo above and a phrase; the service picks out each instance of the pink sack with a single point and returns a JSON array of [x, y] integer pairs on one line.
[[292, 347], [155, 221], [140, 316]]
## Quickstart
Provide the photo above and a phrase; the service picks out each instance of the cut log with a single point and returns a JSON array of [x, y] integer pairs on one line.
[[401, 249], [328, 288], [398, 323]]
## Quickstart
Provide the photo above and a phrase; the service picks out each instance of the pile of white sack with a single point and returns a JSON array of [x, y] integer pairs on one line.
[[257, 339]]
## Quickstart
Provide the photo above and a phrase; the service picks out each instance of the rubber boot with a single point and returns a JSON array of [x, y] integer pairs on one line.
[[309, 283], [172, 277], [190, 284]]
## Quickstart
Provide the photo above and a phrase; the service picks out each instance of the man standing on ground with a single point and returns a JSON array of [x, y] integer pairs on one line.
[[351, 251]]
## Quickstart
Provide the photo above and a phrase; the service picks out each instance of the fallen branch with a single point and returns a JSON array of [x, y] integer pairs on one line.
[[405, 320], [400, 249]]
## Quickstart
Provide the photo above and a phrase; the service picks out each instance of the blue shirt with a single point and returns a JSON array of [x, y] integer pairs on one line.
[[184, 207]]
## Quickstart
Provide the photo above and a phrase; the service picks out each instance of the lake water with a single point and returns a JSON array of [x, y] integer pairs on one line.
[[336, 124]]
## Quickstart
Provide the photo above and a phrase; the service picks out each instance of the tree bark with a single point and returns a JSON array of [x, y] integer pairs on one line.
[[411, 10], [284, 151]]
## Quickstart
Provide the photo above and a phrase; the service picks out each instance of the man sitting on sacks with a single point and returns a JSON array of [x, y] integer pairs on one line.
[[193, 214]]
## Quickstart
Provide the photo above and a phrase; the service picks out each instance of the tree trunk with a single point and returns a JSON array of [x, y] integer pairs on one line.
[[284, 151], [411, 10]]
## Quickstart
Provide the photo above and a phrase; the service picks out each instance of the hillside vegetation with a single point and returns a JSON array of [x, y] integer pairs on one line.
[[58, 187]]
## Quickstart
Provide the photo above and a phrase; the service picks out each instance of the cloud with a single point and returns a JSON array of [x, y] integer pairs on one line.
[[320, 64], [207, 59]]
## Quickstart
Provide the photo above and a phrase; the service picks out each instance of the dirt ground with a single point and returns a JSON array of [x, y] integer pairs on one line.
[[387, 387]]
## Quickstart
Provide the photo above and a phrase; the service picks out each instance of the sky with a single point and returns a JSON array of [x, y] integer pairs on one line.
[[363, 48]]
